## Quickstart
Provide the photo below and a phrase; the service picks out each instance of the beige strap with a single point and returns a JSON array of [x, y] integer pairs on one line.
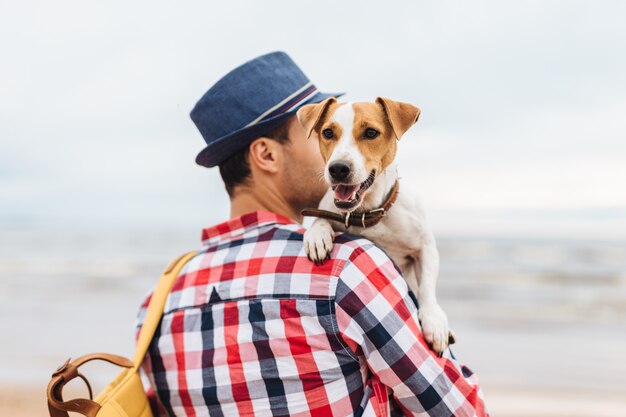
[[157, 303]]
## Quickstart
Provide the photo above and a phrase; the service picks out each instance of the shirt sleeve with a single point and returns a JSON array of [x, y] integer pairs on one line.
[[378, 319]]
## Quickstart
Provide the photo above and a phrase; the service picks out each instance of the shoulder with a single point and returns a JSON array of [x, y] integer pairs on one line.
[[350, 252], [370, 281], [361, 251], [346, 246], [364, 261]]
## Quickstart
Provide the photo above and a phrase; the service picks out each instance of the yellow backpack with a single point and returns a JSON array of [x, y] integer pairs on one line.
[[125, 395]]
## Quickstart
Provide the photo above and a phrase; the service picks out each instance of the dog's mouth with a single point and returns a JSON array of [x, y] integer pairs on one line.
[[349, 196]]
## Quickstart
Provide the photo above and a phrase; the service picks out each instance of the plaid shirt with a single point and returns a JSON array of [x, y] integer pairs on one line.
[[253, 328]]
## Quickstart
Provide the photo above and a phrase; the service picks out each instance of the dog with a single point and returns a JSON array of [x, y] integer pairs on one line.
[[358, 142]]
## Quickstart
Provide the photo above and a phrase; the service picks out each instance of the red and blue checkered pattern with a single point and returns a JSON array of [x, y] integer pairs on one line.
[[253, 328]]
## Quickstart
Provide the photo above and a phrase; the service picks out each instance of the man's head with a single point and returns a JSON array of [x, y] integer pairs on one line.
[[247, 120], [250, 101], [281, 160]]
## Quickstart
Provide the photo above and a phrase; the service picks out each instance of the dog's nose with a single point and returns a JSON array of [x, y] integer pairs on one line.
[[339, 170]]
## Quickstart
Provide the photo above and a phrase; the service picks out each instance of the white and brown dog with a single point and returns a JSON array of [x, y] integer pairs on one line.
[[358, 142]]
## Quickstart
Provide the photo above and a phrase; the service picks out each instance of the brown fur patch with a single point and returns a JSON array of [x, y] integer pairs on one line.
[[401, 115], [312, 115], [380, 151], [327, 122]]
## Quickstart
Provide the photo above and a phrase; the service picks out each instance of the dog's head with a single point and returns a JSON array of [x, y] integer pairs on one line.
[[357, 142]]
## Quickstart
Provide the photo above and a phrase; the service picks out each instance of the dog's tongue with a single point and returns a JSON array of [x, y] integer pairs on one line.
[[345, 192]]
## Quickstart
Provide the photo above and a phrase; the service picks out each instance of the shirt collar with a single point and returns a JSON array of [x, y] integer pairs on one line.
[[239, 226]]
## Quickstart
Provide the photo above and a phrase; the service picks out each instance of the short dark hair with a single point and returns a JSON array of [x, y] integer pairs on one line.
[[236, 169]]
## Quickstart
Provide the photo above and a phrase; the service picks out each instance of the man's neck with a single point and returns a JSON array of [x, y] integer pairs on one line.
[[247, 200]]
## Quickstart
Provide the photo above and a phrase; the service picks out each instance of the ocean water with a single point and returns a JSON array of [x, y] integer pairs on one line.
[[529, 313]]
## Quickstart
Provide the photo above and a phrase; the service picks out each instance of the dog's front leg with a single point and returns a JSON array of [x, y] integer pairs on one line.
[[433, 318], [318, 241]]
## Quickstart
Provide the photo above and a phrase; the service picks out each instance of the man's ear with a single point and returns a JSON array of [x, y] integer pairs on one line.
[[263, 154], [310, 115], [401, 115]]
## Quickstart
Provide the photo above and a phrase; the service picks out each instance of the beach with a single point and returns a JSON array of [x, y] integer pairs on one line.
[[542, 322]]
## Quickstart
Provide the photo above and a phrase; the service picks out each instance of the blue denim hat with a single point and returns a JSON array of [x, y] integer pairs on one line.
[[250, 101]]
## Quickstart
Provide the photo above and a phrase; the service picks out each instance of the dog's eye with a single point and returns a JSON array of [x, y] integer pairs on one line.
[[371, 133], [327, 133]]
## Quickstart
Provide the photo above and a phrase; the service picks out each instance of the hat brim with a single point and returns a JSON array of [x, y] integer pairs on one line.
[[224, 147]]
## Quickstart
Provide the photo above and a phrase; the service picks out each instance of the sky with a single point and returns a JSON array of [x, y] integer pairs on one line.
[[522, 131]]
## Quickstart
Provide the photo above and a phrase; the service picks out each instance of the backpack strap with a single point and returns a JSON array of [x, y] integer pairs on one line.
[[157, 304]]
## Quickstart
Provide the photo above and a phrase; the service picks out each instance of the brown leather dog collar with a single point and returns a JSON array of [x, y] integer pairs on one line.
[[362, 219]]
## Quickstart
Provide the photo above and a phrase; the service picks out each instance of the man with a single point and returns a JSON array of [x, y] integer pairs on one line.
[[251, 326]]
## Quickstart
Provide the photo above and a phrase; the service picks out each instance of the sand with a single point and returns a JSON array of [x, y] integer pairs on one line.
[[30, 402]]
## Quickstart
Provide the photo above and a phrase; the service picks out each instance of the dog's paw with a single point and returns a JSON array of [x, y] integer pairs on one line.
[[318, 242], [435, 327]]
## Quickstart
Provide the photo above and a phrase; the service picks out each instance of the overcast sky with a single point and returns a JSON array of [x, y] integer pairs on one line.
[[523, 126]]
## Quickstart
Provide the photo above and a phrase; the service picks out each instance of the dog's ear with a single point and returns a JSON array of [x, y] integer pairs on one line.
[[401, 115], [311, 114]]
